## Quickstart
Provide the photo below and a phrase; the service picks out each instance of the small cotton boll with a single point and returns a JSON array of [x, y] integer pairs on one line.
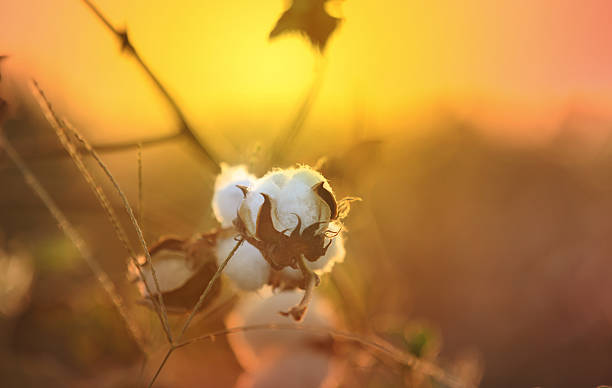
[[252, 348], [227, 196], [247, 269]]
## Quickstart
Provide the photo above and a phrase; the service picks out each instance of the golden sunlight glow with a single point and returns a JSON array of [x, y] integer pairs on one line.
[[386, 61]]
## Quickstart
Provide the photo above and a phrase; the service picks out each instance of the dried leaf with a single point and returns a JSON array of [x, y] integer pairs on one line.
[[328, 197], [309, 18]]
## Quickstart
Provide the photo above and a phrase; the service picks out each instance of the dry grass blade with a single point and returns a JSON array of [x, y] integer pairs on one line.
[[60, 126], [378, 345], [76, 239], [186, 128]]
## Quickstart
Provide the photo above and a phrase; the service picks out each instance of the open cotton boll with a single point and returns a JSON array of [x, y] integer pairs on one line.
[[254, 348], [183, 268], [286, 215], [227, 196], [171, 268], [247, 268], [292, 195]]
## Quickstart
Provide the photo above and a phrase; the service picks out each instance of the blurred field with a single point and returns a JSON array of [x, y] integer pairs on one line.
[[503, 250], [487, 234]]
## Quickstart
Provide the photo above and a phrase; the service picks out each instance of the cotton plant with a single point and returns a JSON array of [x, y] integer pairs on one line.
[[291, 224], [283, 230]]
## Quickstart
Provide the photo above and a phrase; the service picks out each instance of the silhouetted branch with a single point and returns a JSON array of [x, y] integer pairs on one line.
[[186, 128]]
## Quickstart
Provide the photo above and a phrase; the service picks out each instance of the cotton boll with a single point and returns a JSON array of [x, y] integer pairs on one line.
[[183, 268], [247, 268], [227, 196], [254, 348], [285, 215], [171, 268]]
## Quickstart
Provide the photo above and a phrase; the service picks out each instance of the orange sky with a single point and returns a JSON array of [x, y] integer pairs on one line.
[[517, 65]]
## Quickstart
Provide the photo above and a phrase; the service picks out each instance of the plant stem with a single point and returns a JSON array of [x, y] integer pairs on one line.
[[186, 128]]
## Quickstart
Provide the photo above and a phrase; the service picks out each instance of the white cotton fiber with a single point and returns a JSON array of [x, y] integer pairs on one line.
[[247, 269], [292, 195], [227, 196]]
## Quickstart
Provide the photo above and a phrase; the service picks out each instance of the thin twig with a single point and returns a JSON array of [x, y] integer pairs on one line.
[[161, 365], [397, 355], [60, 126], [186, 128], [76, 239]]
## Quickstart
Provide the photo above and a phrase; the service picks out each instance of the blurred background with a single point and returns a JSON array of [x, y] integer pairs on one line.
[[477, 134]]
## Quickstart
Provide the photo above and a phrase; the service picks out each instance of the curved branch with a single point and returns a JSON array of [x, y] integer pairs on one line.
[[186, 128]]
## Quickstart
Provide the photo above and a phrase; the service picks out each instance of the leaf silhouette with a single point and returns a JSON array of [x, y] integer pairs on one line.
[[309, 18]]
